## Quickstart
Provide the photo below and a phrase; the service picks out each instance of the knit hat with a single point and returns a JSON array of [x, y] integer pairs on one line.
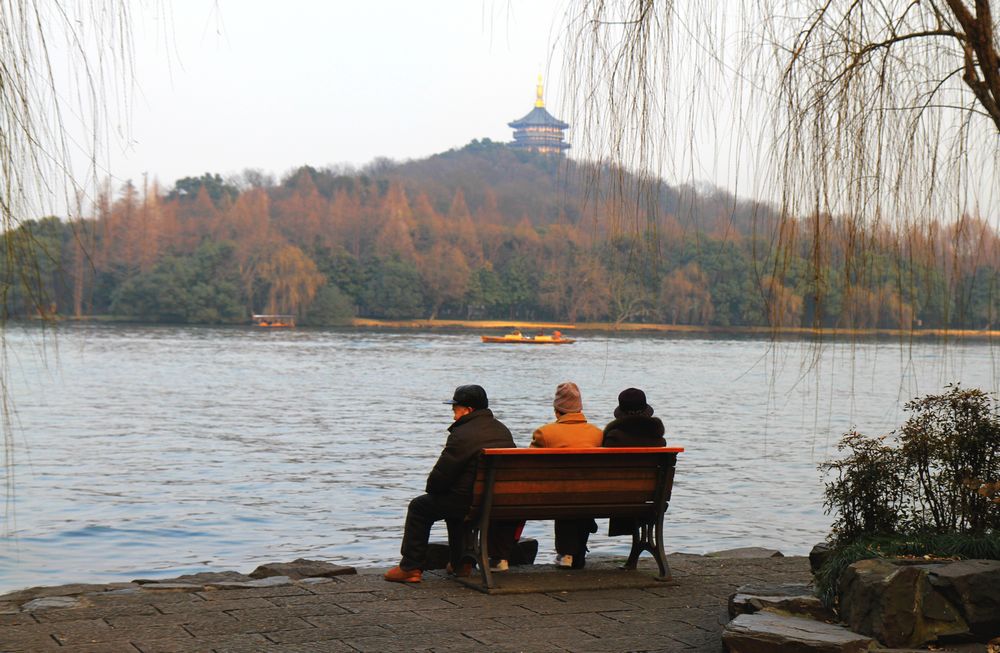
[[568, 398], [632, 401]]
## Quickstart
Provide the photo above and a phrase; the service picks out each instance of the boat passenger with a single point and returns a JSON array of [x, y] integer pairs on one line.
[[570, 430]]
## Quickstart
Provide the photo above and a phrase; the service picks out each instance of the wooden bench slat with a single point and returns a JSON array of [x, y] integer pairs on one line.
[[582, 511], [549, 474], [568, 487]]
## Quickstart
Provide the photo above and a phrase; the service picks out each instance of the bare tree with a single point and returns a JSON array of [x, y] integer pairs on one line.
[[882, 113], [65, 72]]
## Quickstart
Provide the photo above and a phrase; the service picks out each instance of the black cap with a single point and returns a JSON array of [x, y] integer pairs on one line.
[[632, 401], [472, 396]]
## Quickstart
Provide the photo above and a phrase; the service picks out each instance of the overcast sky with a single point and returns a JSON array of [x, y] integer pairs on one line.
[[226, 85]]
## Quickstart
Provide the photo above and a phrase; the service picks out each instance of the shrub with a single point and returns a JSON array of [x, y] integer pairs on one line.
[[932, 489], [938, 475]]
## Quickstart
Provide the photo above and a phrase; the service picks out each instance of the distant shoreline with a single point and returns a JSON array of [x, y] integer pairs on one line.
[[495, 326], [611, 327]]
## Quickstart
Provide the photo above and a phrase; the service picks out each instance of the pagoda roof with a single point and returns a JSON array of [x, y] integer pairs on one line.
[[538, 117]]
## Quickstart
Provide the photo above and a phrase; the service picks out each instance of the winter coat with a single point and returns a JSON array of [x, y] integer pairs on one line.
[[635, 431], [455, 470], [571, 430]]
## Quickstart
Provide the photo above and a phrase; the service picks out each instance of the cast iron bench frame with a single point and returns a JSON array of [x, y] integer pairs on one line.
[[543, 484]]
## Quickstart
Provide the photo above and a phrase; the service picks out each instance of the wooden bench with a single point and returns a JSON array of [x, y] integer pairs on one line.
[[529, 484]]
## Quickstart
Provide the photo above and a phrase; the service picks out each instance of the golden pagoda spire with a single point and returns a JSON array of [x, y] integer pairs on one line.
[[539, 102]]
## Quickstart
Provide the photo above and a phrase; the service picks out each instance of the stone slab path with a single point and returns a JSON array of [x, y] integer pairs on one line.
[[364, 613]]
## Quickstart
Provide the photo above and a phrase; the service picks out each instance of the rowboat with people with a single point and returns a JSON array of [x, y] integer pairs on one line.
[[515, 337]]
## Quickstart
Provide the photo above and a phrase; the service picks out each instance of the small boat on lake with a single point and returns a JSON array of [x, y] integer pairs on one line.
[[274, 321], [517, 338]]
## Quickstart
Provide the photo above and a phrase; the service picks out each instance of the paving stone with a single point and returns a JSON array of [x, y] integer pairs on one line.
[[220, 605], [244, 643], [76, 636], [746, 552], [314, 599], [428, 642], [14, 642], [349, 620], [233, 626], [401, 605], [252, 592], [344, 633], [324, 646], [17, 619], [106, 613], [304, 610]]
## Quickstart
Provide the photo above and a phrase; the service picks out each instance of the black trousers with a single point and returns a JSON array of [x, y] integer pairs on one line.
[[420, 516], [572, 536]]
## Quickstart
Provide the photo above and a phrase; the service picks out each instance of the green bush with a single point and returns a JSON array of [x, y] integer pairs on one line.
[[930, 489], [939, 474]]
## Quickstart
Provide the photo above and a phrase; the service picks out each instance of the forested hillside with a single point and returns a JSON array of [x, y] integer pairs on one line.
[[485, 232]]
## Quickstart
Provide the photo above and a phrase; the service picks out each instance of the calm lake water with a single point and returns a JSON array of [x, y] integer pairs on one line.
[[146, 451]]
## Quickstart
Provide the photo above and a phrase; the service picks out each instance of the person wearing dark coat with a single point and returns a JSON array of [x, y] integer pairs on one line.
[[633, 426], [449, 485]]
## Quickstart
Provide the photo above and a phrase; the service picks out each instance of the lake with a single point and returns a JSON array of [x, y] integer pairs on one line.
[[153, 451]]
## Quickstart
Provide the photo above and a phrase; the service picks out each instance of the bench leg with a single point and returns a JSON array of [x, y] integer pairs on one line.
[[648, 537], [484, 554], [658, 552]]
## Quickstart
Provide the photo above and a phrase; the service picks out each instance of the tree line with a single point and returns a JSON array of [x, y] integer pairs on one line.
[[484, 232]]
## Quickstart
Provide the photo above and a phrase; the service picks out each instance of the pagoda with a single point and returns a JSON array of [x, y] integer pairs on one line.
[[539, 131]]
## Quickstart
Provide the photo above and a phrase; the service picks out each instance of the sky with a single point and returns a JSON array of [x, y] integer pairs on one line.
[[221, 86]]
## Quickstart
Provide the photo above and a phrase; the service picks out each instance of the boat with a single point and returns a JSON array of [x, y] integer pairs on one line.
[[274, 321], [517, 338]]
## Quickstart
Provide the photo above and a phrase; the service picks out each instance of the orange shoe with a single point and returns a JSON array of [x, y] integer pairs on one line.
[[399, 575], [464, 571]]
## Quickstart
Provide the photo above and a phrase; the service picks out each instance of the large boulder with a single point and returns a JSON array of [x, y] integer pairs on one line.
[[767, 632], [973, 586], [896, 603]]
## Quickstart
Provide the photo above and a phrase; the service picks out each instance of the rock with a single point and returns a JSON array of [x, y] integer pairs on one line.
[[819, 555], [50, 603], [270, 581], [896, 604], [747, 552], [73, 589], [973, 586], [793, 599], [302, 568], [201, 578], [766, 632], [176, 587]]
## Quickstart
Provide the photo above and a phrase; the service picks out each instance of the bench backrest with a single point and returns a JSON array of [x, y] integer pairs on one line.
[[569, 483]]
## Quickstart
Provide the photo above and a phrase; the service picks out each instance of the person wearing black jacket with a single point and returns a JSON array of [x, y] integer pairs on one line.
[[633, 426], [449, 485]]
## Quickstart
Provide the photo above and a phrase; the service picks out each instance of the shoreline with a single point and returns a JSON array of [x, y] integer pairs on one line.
[[648, 328], [634, 327]]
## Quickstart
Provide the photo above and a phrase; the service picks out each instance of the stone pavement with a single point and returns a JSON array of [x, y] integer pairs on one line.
[[364, 613]]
